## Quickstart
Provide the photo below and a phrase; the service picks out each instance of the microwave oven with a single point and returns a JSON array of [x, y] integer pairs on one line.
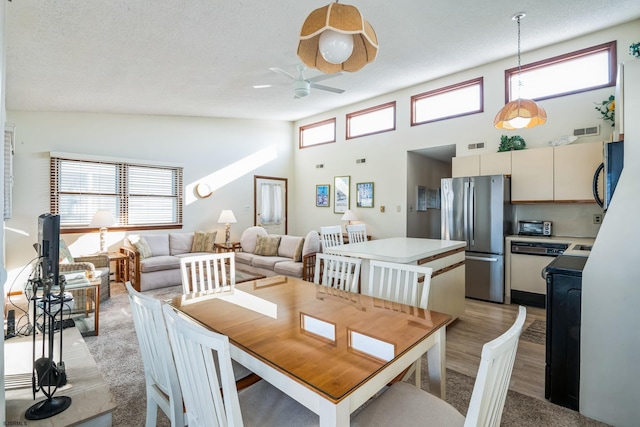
[[534, 228]]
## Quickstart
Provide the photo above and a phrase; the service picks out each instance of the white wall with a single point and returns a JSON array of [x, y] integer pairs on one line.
[[387, 165], [3, 274], [610, 342], [203, 146]]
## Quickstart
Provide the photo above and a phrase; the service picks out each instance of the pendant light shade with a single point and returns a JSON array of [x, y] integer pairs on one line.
[[337, 38], [520, 113]]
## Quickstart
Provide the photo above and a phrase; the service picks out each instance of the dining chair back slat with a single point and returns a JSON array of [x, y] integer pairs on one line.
[[331, 236], [209, 272], [357, 233], [339, 272], [400, 283], [162, 385]]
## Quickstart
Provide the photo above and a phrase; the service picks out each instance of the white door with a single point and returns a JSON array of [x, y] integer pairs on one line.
[[270, 195]]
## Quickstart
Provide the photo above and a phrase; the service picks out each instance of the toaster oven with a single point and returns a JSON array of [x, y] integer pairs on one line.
[[534, 228]]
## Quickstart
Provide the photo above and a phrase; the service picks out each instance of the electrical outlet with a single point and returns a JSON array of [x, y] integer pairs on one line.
[[597, 218], [382, 209], [398, 208]]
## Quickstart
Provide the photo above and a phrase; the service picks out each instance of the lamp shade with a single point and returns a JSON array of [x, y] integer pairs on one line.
[[102, 218], [349, 215], [520, 114], [227, 217], [341, 19]]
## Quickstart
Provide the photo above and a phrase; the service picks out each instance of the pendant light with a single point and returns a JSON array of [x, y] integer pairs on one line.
[[337, 38], [520, 113]]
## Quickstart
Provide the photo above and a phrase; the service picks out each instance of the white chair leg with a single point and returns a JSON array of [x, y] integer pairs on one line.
[[152, 410]]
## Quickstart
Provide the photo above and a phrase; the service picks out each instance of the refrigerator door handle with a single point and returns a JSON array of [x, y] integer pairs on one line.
[[478, 258], [472, 213], [465, 216]]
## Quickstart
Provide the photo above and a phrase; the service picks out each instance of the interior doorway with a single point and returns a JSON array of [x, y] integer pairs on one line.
[[270, 203]]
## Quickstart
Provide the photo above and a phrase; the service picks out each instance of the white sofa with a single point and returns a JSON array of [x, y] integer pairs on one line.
[[162, 267], [272, 255]]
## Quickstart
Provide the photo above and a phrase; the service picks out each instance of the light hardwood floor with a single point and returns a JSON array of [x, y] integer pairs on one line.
[[484, 321]]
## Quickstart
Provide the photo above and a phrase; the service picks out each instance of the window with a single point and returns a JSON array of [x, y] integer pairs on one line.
[[574, 72], [138, 195], [457, 100], [381, 118], [318, 133]]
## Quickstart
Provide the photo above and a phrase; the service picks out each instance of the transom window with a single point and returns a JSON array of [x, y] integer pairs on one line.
[[137, 195], [381, 118], [574, 72], [318, 133], [457, 100]]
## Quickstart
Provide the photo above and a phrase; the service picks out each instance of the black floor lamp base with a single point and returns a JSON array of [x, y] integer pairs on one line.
[[48, 408]]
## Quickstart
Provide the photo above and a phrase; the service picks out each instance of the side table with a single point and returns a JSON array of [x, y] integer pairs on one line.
[[223, 247], [121, 273]]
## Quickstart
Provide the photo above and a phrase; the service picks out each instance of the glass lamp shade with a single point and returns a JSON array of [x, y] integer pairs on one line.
[[520, 114], [335, 47], [345, 20]]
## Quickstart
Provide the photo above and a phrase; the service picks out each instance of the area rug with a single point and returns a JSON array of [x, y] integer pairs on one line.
[[116, 353], [536, 332]]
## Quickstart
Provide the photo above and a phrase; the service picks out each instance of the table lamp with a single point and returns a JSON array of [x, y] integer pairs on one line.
[[227, 218], [102, 219], [349, 216]]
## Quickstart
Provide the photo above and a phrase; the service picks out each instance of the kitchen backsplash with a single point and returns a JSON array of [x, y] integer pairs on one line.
[[570, 219]]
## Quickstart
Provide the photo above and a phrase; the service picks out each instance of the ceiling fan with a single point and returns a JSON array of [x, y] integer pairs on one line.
[[302, 87]]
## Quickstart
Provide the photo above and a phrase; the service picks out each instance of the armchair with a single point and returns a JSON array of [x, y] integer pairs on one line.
[[95, 266]]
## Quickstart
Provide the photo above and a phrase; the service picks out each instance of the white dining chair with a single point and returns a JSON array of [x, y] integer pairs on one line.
[[162, 386], [331, 236], [339, 272], [209, 272], [357, 233], [404, 404], [210, 394], [402, 283]]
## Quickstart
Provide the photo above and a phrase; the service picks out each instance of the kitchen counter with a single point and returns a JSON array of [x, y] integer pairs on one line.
[[445, 257], [577, 247]]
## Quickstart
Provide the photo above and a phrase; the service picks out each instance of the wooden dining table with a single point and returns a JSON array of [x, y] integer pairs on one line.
[[329, 350]]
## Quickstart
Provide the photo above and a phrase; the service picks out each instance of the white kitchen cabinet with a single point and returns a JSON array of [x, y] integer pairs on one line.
[[465, 166], [532, 175], [573, 169], [495, 163]]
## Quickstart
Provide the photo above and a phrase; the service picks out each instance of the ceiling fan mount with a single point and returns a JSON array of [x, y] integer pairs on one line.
[[302, 87]]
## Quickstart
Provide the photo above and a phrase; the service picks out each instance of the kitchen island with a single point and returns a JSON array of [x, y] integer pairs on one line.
[[445, 257]]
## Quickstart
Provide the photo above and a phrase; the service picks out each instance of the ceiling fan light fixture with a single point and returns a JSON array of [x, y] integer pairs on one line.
[[345, 20], [520, 113]]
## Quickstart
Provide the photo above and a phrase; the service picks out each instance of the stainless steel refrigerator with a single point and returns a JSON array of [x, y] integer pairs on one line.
[[478, 210]]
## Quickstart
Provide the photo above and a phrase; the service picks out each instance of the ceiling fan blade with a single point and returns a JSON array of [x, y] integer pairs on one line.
[[323, 77], [283, 72], [327, 88]]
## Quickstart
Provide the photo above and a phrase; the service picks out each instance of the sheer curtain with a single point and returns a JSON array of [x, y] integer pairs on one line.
[[271, 212]]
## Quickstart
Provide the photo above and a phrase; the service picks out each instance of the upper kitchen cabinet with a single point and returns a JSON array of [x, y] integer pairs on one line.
[[532, 175], [465, 166], [573, 169], [495, 163], [482, 165]]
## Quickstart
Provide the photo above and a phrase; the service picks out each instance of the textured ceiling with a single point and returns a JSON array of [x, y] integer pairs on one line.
[[201, 58]]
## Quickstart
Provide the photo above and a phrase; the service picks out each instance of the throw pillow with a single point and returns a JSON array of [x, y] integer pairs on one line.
[[297, 257], [203, 241], [267, 245], [64, 257], [142, 247]]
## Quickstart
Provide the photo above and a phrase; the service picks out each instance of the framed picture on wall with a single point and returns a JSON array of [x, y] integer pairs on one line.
[[322, 195], [341, 194], [364, 195]]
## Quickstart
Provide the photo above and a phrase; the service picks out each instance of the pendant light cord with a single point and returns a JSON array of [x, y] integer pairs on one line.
[[517, 17]]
